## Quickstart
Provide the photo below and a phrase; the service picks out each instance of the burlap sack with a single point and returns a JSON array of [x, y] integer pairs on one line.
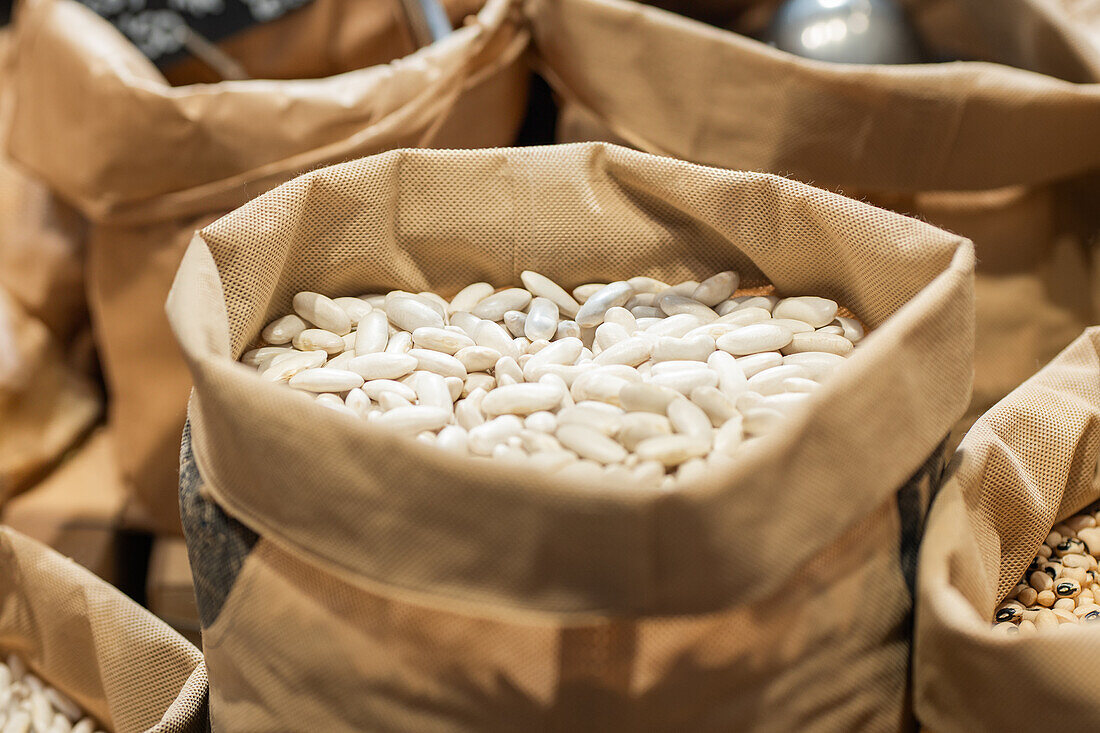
[[116, 660], [148, 163], [1005, 156], [1026, 464], [363, 582]]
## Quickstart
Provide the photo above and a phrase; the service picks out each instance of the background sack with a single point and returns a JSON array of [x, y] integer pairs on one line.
[[148, 163], [113, 658], [1025, 465], [47, 397], [430, 593], [1005, 156]]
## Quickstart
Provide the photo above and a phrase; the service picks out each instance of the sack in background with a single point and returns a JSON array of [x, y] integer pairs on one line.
[[1025, 465], [1004, 156], [113, 658], [150, 163], [77, 509], [429, 592], [47, 397]]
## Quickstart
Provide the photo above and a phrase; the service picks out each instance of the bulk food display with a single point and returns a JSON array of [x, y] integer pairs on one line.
[[1005, 606], [430, 590], [147, 160], [79, 656], [997, 144]]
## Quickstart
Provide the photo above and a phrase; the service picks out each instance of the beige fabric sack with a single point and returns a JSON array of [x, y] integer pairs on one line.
[[47, 399], [148, 163], [116, 660], [1025, 465], [1005, 156], [360, 581]]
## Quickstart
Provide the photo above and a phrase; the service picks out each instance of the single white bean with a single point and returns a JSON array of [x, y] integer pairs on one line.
[[770, 381], [685, 381], [731, 377], [676, 326], [442, 364], [632, 352], [754, 339], [294, 362], [485, 437], [818, 363], [322, 312], [375, 388], [468, 297], [493, 307], [590, 443], [542, 320], [791, 325], [716, 288], [647, 397], [312, 339], [453, 438], [383, 365], [514, 322], [826, 342], [521, 399], [372, 334], [595, 307], [414, 419], [689, 419], [356, 308], [672, 450], [715, 403], [851, 329], [439, 339], [670, 348], [410, 312], [399, 343], [673, 304], [813, 310], [283, 330], [543, 287]]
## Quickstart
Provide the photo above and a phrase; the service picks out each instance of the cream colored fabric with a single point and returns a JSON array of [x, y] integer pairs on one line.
[[1027, 463], [115, 659], [47, 400], [148, 163], [1004, 156], [367, 536]]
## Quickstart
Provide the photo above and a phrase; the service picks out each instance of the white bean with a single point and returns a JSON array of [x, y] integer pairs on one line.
[[826, 342], [439, 339], [468, 297], [493, 307], [322, 312], [283, 330], [410, 312], [716, 288], [414, 419], [590, 443], [521, 399], [316, 338], [815, 311], [543, 287], [595, 306]]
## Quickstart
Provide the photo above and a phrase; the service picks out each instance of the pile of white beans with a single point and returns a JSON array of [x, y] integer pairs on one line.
[[28, 704], [634, 380], [1061, 586]]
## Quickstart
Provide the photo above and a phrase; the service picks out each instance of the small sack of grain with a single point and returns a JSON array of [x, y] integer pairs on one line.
[[434, 590], [69, 640], [1009, 542], [151, 159]]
